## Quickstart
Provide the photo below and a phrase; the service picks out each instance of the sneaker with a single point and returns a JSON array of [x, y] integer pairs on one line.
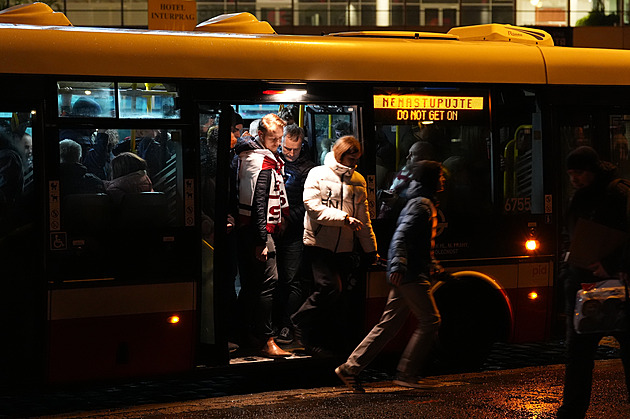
[[351, 381], [285, 336], [415, 382]]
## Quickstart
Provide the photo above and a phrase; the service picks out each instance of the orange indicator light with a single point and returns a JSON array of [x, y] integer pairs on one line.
[[531, 244], [173, 319], [532, 295]]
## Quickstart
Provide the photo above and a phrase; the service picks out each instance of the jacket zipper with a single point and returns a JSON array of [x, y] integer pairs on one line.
[[341, 207]]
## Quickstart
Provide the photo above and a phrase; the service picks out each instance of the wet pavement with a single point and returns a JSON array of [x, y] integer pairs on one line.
[[517, 381]]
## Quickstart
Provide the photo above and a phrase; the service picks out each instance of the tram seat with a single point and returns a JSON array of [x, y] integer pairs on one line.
[[86, 213], [144, 210]]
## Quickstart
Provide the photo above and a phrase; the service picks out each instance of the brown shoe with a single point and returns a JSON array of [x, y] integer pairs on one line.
[[271, 350]]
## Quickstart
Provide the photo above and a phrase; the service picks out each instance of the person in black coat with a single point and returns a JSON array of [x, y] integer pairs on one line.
[[289, 246], [74, 177], [596, 199]]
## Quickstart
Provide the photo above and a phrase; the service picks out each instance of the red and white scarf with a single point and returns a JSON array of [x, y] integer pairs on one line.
[[252, 162]]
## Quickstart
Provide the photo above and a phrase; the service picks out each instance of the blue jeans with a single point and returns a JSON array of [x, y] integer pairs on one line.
[[417, 298]]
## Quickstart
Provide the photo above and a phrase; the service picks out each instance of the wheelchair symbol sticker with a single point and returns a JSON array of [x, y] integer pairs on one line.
[[58, 241]]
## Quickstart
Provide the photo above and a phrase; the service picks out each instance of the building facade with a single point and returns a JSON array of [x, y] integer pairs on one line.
[[316, 16]]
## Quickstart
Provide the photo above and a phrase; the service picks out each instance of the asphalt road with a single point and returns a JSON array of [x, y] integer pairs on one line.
[[532, 392], [518, 381]]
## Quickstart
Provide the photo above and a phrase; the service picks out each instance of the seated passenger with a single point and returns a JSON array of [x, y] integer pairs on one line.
[[129, 172], [73, 176]]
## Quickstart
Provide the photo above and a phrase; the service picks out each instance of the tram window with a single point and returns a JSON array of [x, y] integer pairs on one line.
[[520, 153], [123, 196], [148, 100], [619, 125], [413, 126], [575, 129], [16, 170], [86, 99], [326, 124], [135, 100]]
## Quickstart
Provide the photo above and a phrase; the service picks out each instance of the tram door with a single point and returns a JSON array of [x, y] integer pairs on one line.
[[225, 318], [122, 251]]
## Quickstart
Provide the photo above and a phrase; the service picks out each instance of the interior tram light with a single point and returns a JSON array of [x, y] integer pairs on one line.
[[173, 319], [532, 244], [286, 94]]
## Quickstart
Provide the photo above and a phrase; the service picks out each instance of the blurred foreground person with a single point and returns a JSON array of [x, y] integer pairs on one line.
[[411, 265], [600, 198]]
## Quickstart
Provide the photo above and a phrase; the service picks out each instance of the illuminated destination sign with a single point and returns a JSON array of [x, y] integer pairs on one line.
[[419, 108]]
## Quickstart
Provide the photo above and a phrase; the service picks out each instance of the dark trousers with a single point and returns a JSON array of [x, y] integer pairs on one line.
[[291, 288], [581, 349], [258, 284], [330, 277]]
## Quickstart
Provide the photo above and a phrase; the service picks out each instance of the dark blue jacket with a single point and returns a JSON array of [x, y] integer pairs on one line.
[[295, 173], [410, 251]]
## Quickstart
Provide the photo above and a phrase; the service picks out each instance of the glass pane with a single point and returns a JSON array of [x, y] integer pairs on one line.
[[148, 100], [503, 14], [619, 125], [120, 200], [475, 15], [16, 171], [449, 17], [257, 111], [86, 99], [448, 127], [328, 124]]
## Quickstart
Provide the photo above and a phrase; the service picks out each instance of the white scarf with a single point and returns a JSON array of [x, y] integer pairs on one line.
[[252, 163]]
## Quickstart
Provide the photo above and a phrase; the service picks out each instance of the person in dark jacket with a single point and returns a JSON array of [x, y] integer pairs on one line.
[[99, 158], [597, 199], [289, 246], [262, 204], [73, 176], [11, 176], [410, 267]]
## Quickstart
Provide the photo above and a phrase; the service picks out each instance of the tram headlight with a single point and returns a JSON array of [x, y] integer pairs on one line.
[[532, 295], [173, 319]]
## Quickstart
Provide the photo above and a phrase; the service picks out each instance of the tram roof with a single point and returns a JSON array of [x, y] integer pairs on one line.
[[454, 57]]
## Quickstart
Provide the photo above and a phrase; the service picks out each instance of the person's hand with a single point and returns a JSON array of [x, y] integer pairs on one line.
[[371, 258], [354, 223], [598, 270], [395, 278], [261, 252]]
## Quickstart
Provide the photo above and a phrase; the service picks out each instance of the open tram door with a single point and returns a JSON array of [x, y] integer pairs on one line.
[[222, 337]]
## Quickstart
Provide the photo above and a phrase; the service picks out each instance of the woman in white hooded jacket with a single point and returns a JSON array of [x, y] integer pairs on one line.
[[335, 198]]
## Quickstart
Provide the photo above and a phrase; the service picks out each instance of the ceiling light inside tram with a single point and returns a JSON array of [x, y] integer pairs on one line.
[[286, 95]]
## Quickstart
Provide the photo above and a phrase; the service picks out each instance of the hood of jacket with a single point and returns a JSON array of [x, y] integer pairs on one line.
[[337, 167]]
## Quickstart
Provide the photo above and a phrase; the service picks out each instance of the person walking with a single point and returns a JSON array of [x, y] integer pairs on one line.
[[410, 267], [335, 199], [597, 198]]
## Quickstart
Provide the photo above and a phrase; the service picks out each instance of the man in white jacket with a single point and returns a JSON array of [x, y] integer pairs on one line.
[[335, 198]]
